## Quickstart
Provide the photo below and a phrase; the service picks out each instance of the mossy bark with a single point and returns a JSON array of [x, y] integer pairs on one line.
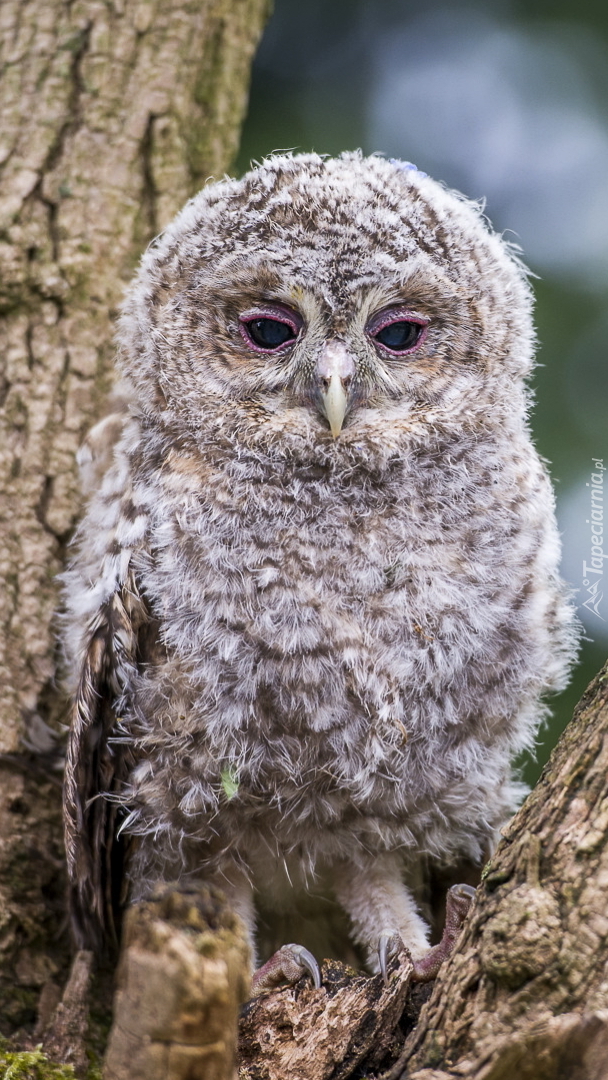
[[32, 1065], [114, 112]]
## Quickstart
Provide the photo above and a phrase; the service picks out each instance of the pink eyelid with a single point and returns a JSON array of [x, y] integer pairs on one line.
[[275, 311], [387, 318], [271, 311]]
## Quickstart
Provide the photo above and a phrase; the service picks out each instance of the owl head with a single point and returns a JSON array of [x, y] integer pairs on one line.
[[338, 304]]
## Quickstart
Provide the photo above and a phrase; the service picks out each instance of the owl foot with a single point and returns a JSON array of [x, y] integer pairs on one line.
[[457, 904], [390, 946], [288, 964]]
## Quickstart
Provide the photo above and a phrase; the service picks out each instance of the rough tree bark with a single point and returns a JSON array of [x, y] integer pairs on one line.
[[526, 994], [113, 113]]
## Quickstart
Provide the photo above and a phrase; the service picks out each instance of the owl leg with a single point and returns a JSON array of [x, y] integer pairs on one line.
[[457, 904], [379, 904], [235, 883], [289, 963]]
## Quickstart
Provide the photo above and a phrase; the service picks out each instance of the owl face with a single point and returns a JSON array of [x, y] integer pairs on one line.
[[331, 299]]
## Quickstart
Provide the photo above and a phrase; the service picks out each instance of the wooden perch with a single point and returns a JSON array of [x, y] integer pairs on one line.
[[183, 973], [64, 1038], [307, 1034]]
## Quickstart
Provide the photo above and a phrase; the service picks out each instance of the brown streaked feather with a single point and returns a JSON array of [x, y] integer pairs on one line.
[[95, 769]]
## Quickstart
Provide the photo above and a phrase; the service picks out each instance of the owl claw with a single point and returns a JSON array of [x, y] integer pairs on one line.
[[288, 965], [457, 904], [390, 944]]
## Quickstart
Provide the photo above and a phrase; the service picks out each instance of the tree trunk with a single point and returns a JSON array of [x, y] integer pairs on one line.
[[114, 113], [525, 994]]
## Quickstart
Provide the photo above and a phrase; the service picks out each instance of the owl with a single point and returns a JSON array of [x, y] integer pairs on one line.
[[314, 603]]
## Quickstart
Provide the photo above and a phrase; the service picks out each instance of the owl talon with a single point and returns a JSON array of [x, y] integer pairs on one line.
[[288, 965], [390, 945], [457, 904]]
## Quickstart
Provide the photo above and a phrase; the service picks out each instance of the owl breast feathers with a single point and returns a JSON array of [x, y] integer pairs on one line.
[[314, 601]]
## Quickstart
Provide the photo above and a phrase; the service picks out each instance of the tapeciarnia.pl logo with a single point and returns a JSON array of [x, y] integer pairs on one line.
[[593, 571]]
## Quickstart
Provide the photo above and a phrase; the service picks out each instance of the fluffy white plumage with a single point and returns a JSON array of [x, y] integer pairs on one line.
[[324, 651]]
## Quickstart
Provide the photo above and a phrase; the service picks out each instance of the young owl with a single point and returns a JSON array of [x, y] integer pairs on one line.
[[315, 600]]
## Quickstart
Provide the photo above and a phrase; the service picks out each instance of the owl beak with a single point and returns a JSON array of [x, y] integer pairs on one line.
[[334, 374]]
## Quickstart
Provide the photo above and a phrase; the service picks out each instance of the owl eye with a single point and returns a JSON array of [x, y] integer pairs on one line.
[[400, 336], [268, 334]]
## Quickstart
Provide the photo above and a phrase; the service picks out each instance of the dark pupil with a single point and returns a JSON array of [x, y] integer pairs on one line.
[[269, 333], [399, 335]]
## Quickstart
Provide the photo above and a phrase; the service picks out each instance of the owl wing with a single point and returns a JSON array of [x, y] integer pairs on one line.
[[97, 764]]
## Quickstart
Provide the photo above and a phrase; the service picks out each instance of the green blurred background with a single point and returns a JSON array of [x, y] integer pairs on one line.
[[507, 101]]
